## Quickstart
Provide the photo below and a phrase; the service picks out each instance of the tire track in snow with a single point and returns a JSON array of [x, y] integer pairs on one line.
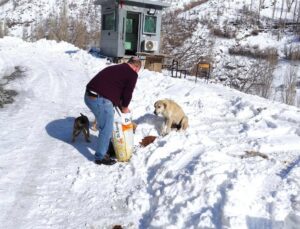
[[28, 187]]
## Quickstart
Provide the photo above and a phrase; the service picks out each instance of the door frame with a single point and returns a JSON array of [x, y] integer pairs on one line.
[[138, 32]]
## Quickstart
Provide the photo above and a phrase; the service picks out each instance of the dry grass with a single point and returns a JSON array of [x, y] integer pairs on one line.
[[225, 32], [254, 52], [292, 52], [176, 31], [80, 31]]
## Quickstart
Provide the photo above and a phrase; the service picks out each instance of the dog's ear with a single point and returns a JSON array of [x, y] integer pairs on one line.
[[155, 103], [165, 104]]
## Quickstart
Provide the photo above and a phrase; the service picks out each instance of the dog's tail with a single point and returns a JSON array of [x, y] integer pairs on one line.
[[184, 123]]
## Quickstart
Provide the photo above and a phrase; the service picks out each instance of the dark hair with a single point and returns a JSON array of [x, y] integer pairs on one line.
[[134, 60]]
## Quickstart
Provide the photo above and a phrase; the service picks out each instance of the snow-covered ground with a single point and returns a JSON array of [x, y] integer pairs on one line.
[[201, 178]]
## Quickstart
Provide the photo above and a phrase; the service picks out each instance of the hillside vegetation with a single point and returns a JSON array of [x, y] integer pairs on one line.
[[253, 46]]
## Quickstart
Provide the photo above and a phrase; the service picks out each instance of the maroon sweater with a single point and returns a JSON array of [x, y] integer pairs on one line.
[[115, 83]]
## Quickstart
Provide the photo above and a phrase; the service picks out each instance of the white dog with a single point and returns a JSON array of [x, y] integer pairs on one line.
[[173, 114]]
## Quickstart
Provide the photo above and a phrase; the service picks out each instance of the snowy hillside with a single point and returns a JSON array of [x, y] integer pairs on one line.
[[242, 39], [23, 16], [237, 166]]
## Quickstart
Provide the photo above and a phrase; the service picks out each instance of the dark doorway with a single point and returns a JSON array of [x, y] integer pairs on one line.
[[132, 33]]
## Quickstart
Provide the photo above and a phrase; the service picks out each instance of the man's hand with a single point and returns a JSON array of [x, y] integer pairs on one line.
[[125, 110]]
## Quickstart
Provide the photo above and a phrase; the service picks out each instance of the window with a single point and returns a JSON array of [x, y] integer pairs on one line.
[[150, 24], [108, 22]]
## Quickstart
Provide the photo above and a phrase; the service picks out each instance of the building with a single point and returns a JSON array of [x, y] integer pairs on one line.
[[130, 26]]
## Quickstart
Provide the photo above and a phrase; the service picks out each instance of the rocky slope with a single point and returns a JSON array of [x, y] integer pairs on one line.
[[232, 35]]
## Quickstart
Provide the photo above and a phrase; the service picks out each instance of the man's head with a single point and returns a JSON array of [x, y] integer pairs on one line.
[[135, 63]]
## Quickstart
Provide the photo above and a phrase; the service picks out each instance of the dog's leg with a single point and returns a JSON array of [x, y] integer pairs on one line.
[[184, 123], [75, 134], [86, 134], [167, 127], [163, 129]]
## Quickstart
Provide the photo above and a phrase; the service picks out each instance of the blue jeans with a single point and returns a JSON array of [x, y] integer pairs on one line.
[[103, 110]]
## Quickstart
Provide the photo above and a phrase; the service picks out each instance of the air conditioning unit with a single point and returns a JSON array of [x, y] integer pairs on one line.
[[150, 45]]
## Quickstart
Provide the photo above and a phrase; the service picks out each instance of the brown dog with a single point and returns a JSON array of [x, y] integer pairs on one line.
[[81, 123], [173, 114]]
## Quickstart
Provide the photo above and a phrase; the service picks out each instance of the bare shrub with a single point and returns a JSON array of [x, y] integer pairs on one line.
[[61, 31], [290, 84], [255, 32], [217, 31], [40, 31], [292, 52], [296, 12], [208, 21], [225, 32], [58, 26], [175, 31], [252, 77], [3, 29], [11, 23], [298, 100], [254, 52], [248, 16], [78, 32], [73, 30], [264, 86], [181, 42]]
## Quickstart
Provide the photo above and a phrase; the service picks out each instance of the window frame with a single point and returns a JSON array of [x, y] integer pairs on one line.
[[144, 23], [104, 22]]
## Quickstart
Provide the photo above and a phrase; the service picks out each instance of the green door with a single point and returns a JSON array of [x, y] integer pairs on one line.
[[132, 33]]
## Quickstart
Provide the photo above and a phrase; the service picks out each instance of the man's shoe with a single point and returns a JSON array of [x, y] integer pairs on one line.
[[106, 161]]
